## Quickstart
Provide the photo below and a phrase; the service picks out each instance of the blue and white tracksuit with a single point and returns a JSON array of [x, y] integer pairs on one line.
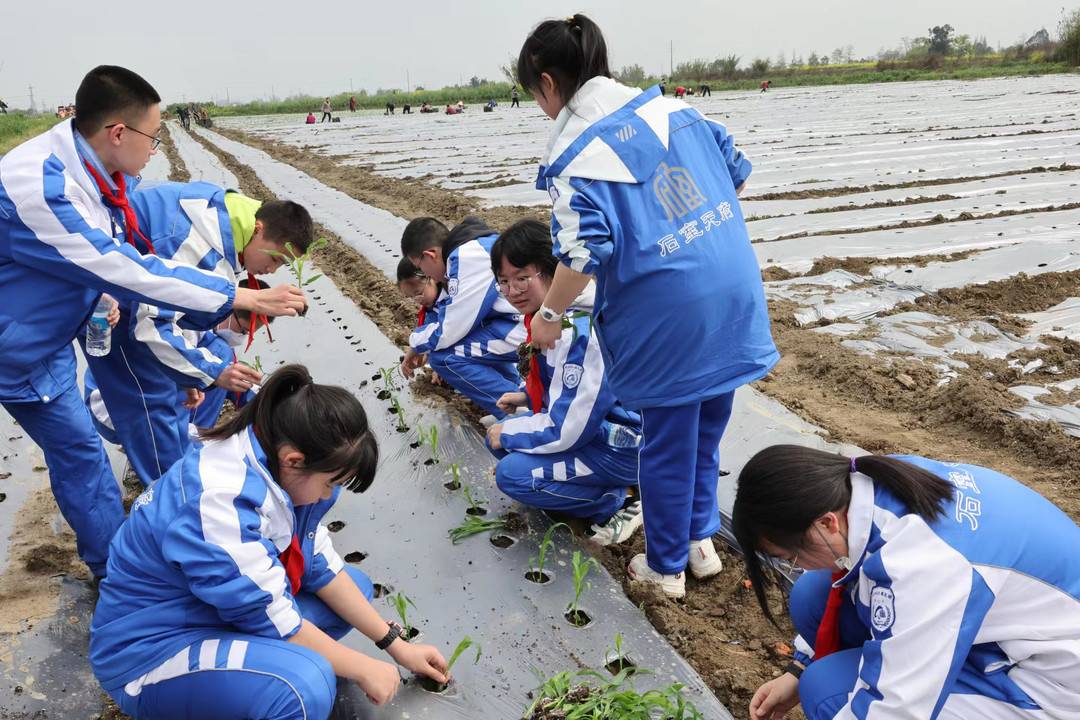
[[196, 610], [644, 199], [973, 615], [60, 248], [152, 351], [560, 458], [473, 345]]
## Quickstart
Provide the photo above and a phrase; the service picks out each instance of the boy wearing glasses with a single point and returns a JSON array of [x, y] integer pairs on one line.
[[473, 345], [65, 223]]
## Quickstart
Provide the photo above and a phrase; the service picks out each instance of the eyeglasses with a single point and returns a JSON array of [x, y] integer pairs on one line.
[[156, 141], [516, 284]]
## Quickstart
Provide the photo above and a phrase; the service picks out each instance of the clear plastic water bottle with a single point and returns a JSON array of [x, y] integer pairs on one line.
[[620, 436], [98, 332]]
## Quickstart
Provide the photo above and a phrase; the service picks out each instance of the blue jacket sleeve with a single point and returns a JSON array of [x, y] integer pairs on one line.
[[579, 229], [59, 240], [217, 544], [190, 362], [738, 166], [469, 297]]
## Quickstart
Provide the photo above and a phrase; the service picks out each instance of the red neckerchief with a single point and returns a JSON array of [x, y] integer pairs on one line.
[[253, 284], [119, 200], [534, 384], [828, 635], [420, 316], [293, 560]]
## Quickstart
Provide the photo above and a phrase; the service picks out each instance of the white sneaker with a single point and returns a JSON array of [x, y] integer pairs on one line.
[[674, 586], [619, 526], [704, 562]]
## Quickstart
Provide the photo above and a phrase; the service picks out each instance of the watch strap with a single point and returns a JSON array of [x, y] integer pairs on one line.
[[548, 314], [391, 635]]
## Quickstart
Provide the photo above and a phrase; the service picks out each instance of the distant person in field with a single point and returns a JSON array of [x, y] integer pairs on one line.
[[185, 118], [453, 110], [704, 90], [766, 85], [663, 86], [327, 109], [461, 105], [515, 97], [406, 109], [680, 91], [389, 109], [426, 107], [3, 107], [310, 119], [352, 104]]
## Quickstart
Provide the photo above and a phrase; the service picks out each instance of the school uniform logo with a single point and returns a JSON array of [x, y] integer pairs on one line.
[[676, 192], [882, 608], [452, 287], [553, 192], [571, 375], [145, 499]]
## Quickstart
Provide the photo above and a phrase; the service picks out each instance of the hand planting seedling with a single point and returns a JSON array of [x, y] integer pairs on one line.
[[476, 505], [526, 351], [256, 366], [536, 574], [581, 567], [402, 603], [465, 644], [474, 526], [296, 262], [455, 477], [588, 695]]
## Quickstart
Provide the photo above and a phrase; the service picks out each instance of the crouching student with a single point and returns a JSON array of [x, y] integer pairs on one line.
[[418, 288], [225, 597], [577, 451], [220, 231], [931, 589], [473, 344]]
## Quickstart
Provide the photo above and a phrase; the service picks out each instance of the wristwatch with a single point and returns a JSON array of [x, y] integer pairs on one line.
[[391, 635], [548, 314]]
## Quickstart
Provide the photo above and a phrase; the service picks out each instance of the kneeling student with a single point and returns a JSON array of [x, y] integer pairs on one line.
[[577, 452], [225, 597]]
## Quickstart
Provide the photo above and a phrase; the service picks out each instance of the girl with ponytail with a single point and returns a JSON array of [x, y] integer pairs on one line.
[[929, 589], [225, 597], [645, 200]]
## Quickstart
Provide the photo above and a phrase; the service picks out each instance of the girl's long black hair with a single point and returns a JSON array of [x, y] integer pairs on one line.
[[571, 51], [526, 242], [324, 422], [785, 488]]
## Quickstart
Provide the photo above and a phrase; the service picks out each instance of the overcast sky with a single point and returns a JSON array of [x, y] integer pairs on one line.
[[197, 49]]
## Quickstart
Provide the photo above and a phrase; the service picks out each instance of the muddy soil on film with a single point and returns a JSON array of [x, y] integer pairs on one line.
[[178, 171]]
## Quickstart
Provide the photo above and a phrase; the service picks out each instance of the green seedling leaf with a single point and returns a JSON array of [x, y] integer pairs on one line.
[[474, 526], [465, 644]]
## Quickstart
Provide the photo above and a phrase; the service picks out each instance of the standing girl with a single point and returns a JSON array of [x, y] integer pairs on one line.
[[224, 596], [645, 200]]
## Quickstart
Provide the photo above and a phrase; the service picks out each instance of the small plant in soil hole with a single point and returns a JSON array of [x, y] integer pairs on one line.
[[474, 526], [466, 643], [476, 505], [400, 412], [589, 695], [537, 574], [619, 661], [581, 566], [430, 436], [386, 374], [454, 483], [297, 261], [402, 603]]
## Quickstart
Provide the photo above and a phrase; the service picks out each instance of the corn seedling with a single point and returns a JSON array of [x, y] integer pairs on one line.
[[545, 547], [465, 644], [387, 375], [455, 477], [581, 566], [256, 365], [589, 695], [400, 412], [474, 526], [619, 661], [296, 261], [402, 603], [431, 437], [476, 505]]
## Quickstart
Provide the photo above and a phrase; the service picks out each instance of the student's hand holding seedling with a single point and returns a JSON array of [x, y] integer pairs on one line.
[[238, 377], [283, 300], [494, 436], [193, 398], [423, 660], [511, 401], [412, 362]]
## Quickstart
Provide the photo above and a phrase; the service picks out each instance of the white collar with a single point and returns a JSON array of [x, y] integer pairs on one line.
[[595, 100]]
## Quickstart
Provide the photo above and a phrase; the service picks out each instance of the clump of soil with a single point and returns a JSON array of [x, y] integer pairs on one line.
[[1020, 293], [178, 171], [862, 265], [917, 200], [718, 627]]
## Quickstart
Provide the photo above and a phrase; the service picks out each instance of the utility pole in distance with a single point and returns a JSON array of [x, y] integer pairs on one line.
[[31, 87]]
